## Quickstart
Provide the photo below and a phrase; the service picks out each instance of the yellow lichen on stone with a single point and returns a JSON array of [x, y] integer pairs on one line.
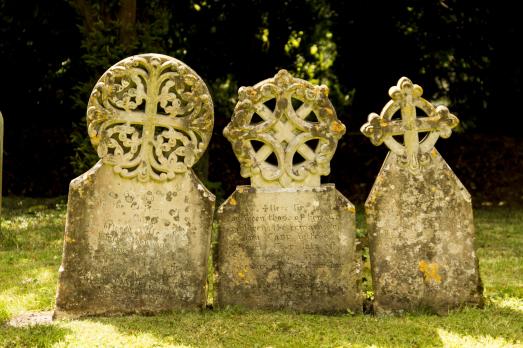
[[136, 109], [430, 271], [337, 127], [272, 276], [245, 275], [287, 131], [232, 201], [413, 152]]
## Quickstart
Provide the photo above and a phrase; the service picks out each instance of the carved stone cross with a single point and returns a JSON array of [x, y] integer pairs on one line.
[[303, 121], [406, 97], [150, 116], [138, 230], [286, 234]]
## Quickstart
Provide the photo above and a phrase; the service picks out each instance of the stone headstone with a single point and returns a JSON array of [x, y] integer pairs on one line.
[[286, 241], [419, 215], [138, 226], [1, 158]]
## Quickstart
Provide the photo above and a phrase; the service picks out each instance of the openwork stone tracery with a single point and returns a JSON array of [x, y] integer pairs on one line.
[[419, 215], [406, 97], [150, 116], [294, 140]]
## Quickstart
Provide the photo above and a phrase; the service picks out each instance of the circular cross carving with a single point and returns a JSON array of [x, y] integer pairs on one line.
[[284, 132], [150, 116], [406, 97]]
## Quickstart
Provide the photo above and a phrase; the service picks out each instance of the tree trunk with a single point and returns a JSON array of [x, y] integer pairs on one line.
[[127, 19]]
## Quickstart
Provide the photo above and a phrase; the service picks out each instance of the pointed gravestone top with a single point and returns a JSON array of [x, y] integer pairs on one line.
[[406, 97], [419, 215], [150, 117], [301, 130]]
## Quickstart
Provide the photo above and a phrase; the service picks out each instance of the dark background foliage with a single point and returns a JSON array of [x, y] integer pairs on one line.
[[462, 53]]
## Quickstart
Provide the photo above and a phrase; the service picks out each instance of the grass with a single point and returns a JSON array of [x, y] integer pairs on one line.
[[30, 249]]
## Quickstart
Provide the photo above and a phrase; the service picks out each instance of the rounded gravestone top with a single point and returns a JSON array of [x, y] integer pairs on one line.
[[150, 116], [284, 132]]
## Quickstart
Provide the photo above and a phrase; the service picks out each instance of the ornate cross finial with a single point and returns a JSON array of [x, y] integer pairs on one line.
[[406, 97], [150, 116], [301, 130]]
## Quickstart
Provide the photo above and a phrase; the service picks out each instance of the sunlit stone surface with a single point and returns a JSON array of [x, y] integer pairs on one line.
[[419, 215], [138, 227], [287, 242]]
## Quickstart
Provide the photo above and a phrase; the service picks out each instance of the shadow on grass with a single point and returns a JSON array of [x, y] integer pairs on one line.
[[31, 336], [493, 325], [31, 273]]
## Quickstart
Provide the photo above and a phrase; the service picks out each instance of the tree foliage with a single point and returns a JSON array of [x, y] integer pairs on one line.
[[460, 52]]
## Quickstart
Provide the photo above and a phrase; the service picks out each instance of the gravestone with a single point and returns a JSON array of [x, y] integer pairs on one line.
[[419, 215], [137, 234], [1, 158], [286, 241]]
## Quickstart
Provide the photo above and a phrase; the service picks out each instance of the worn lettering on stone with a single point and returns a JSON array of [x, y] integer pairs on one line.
[[288, 250], [138, 226], [286, 242]]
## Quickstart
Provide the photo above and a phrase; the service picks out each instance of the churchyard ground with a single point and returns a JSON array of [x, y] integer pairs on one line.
[[31, 242]]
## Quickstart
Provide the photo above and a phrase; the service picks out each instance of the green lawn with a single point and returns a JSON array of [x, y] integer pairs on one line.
[[30, 249]]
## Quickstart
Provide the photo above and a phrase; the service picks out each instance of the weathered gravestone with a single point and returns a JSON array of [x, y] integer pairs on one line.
[[286, 242], [138, 226], [419, 215]]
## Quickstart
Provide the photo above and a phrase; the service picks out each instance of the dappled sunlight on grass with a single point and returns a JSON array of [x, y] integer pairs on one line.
[[32, 336], [30, 247], [30, 253], [32, 227], [500, 253], [451, 340], [87, 333], [512, 303], [28, 289], [237, 328], [230, 328]]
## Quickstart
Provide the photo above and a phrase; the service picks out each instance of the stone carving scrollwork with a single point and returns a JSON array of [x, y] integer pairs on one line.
[[299, 131], [150, 117]]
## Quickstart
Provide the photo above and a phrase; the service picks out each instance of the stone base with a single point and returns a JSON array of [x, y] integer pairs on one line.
[[133, 247], [292, 249], [421, 236]]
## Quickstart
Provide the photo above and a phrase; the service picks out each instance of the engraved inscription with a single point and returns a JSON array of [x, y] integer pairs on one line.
[[136, 226], [270, 231], [289, 249]]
